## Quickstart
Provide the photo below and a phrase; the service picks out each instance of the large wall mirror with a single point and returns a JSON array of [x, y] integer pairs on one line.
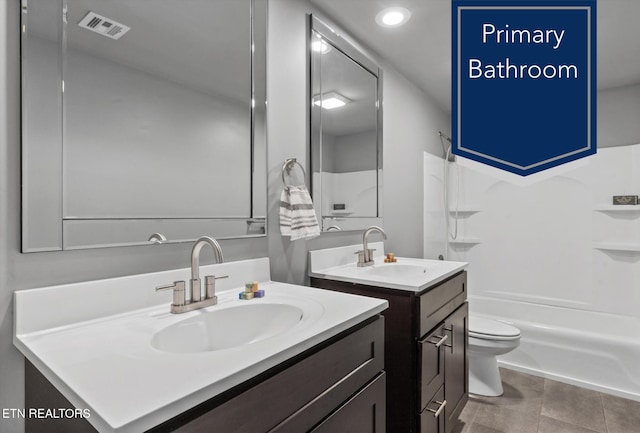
[[346, 132], [142, 117]]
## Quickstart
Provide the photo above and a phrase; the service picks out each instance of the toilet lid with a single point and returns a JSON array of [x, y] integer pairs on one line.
[[480, 327]]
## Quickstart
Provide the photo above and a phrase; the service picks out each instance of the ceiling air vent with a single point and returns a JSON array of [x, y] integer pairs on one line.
[[104, 26]]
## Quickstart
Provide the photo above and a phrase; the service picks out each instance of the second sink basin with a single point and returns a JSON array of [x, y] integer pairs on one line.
[[397, 270], [410, 274], [219, 329]]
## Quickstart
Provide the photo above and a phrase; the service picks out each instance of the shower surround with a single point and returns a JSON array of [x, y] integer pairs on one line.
[[554, 257]]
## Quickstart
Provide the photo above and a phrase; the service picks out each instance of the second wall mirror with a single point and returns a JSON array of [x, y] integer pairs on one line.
[[346, 132]]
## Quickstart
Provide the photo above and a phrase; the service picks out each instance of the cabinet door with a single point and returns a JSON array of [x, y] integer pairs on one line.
[[456, 380], [431, 352], [363, 413]]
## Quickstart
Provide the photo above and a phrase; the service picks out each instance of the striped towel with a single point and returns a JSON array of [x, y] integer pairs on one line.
[[297, 215]]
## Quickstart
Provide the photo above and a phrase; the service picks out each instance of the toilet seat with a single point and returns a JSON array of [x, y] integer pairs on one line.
[[487, 329]]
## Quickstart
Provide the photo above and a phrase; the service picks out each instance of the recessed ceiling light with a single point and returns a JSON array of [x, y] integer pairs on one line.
[[331, 100], [393, 17]]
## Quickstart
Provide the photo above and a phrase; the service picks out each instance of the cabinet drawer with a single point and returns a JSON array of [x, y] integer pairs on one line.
[[431, 365], [363, 413], [436, 304], [432, 417], [307, 389]]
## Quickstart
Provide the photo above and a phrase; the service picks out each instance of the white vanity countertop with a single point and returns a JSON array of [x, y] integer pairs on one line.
[[108, 365], [408, 274]]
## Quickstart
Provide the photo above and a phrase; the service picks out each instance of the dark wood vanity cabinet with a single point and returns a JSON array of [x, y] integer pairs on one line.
[[336, 386], [426, 343]]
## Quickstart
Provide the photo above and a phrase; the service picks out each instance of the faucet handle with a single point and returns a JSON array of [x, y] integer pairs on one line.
[[365, 257], [178, 292], [210, 284]]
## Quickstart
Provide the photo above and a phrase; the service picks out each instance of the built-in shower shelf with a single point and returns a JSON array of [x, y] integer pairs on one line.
[[464, 211], [632, 209], [617, 246], [464, 241]]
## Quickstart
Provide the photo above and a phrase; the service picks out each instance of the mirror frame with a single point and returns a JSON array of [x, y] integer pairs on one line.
[[44, 227], [342, 44]]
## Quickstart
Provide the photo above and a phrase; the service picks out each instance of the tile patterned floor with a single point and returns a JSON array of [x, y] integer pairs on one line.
[[532, 404]]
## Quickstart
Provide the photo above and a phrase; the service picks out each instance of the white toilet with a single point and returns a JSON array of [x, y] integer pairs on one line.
[[488, 339]]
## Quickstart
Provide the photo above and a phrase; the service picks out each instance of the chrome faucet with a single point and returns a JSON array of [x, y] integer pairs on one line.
[[180, 304], [365, 256], [210, 281]]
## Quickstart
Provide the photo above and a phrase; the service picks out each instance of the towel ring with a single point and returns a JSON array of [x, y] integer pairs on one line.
[[288, 166]]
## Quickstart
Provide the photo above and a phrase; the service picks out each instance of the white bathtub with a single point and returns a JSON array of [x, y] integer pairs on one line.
[[600, 351]]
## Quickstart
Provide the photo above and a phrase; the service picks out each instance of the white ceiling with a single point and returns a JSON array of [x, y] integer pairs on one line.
[[421, 49]]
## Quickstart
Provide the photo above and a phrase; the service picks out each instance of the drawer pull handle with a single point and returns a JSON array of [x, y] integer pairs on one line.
[[452, 335], [436, 413], [442, 339]]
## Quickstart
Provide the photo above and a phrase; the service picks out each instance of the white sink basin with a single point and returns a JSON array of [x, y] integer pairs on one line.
[[135, 365], [219, 329], [397, 270], [410, 274]]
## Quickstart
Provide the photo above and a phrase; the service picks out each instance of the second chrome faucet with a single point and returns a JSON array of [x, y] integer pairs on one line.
[[365, 256], [197, 299]]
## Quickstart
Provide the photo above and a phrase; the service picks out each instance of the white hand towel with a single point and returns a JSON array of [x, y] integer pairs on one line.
[[297, 215]]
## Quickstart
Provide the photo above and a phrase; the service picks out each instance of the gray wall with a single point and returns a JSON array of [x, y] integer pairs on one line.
[[356, 152], [618, 116], [350, 152], [410, 128], [288, 132], [114, 110], [328, 153], [172, 136]]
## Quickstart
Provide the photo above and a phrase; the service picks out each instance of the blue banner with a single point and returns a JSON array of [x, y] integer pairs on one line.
[[524, 82]]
